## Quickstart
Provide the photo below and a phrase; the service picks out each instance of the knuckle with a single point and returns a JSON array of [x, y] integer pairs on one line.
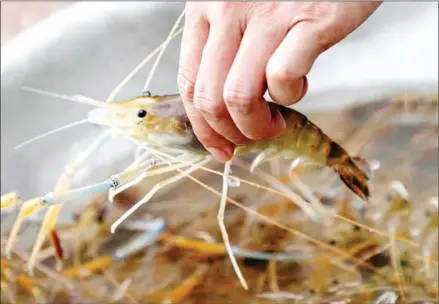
[[239, 139], [225, 8], [329, 22], [327, 35], [271, 14], [233, 134], [279, 73], [263, 9], [314, 10], [253, 135], [219, 11], [239, 101], [186, 86], [256, 135], [212, 110]]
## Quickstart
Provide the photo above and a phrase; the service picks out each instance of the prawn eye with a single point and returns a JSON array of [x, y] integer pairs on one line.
[[141, 113]]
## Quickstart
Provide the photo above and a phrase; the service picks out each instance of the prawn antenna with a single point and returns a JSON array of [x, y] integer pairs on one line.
[[162, 50], [113, 94], [33, 139], [74, 98]]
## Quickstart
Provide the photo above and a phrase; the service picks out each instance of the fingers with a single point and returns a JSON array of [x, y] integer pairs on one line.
[[195, 35], [219, 52], [290, 63], [246, 84]]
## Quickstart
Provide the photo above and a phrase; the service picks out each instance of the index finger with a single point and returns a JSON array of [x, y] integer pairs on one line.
[[246, 84], [195, 35]]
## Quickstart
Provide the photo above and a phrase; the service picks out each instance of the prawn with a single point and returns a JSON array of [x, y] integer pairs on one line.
[[159, 126], [161, 122]]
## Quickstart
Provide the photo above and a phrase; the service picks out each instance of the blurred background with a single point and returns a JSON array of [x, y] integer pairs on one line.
[[16, 16]]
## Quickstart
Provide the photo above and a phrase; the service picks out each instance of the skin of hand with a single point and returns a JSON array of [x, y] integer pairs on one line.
[[233, 52]]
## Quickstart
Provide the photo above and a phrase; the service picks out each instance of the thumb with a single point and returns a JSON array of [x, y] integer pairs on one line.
[[288, 66]]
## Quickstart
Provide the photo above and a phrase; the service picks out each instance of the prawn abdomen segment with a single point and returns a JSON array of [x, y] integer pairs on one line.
[[303, 138]]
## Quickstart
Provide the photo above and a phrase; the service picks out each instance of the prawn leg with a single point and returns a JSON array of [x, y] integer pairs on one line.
[[121, 253], [48, 223], [34, 205], [261, 157], [63, 186], [220, 218], [214, 249], [309, 211], [140, 242], [156, 188], [9, 200], [182, 291], [114, 191], [114, 182], [117, 188]]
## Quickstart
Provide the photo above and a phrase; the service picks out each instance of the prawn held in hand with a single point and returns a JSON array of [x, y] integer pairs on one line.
[[162, 121]]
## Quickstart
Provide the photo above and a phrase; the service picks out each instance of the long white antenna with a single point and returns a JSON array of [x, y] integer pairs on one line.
[[138, 67], [166, 43], [73, 124]]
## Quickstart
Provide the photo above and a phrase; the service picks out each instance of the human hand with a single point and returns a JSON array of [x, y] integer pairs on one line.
[[232, 52]]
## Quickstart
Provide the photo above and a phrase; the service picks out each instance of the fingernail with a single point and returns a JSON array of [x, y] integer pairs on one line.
[[220, 154]]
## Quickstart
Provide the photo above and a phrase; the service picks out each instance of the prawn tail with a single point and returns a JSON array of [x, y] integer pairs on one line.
[[355, 177]]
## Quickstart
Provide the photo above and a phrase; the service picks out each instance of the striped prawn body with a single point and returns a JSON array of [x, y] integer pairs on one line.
[[301, 139]]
